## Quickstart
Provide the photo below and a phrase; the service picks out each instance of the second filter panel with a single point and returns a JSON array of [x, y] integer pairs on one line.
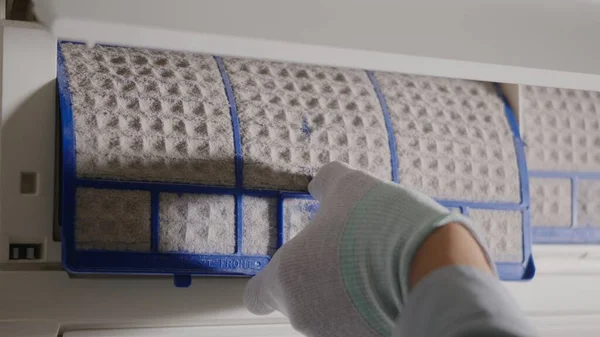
[[562, 131]]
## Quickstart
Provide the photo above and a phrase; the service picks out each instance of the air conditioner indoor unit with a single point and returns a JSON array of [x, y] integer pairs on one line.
[[518, 45]]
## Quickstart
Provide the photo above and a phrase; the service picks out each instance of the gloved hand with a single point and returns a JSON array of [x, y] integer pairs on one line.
[[346, 273]]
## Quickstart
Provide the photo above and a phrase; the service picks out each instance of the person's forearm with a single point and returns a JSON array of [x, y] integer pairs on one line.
[[461, 302], [447, 246], [455, 293]]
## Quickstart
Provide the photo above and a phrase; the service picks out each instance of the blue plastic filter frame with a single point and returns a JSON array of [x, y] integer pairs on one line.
[[183, 265]]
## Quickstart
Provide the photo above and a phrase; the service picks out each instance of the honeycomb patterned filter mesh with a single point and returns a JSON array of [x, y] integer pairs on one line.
[[161, 116], [562, 133]]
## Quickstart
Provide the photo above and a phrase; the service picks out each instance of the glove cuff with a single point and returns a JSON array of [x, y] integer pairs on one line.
[[378, 243]]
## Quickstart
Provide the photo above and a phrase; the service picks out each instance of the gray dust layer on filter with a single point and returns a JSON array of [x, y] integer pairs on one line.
[[454, 143], [260, 226], [197, 223], [551, 201], [452, 137], [295, 118], [112, 220], [588, 203], [561, 128], [297, 214], [260, 222], [153, 115], [503, 233]]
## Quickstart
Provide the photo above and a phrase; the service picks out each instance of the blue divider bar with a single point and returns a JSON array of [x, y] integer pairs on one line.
[[154, 221], [574, 186], [388, 125], [239, 223], [523, 173], [280, 235], [519, 147], [527, 237], [564, 174], [483, 205], [523, 179], [525, 198], [239, 159], [186, 188], [235, 123], [553, 235]]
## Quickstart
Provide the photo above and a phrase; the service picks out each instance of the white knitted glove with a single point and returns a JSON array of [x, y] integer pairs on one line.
[[346, 273]]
